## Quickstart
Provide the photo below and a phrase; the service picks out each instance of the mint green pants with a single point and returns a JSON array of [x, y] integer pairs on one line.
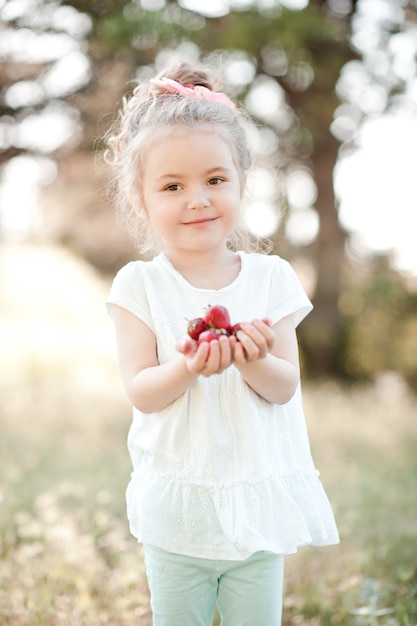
[[184, 590]]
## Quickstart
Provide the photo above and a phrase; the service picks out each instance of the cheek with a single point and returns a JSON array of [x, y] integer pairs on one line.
[[234, 198], [157, 218]]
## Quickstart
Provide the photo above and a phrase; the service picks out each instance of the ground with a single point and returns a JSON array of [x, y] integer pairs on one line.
[[67, 557]]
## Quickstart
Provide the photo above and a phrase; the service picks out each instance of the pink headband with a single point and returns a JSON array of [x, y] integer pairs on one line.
[[196, 91]]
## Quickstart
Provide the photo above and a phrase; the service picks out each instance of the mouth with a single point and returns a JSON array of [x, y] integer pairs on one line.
[[200, 222]]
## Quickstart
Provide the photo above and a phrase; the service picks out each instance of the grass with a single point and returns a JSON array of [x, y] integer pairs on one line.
[[66, 556]]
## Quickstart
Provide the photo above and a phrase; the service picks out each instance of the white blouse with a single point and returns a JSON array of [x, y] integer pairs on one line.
[[221, 473]]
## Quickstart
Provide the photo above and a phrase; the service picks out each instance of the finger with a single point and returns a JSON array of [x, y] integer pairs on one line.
[[186, 346], [196, 362], [262, 330], [253, 342], [239, 355], [220, 356], [250, 349], [225, 352], [266, 330], [232, 343], [212, 362], [246, 350]]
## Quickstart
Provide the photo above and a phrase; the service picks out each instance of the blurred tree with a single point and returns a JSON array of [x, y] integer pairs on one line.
[[380, 324], [299, 52]]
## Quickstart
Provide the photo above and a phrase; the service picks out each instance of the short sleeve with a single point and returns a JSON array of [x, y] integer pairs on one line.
[[129, 292], [287, 295]]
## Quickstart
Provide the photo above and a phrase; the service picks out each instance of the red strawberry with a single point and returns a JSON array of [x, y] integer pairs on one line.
[[208, 335], [196, 327], [232, 330], [217, 317]]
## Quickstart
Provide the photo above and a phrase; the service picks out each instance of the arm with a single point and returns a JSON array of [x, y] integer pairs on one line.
[[151, 386], [268, 359]]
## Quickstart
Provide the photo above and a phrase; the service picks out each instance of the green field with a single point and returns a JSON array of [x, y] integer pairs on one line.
[[66, 554]]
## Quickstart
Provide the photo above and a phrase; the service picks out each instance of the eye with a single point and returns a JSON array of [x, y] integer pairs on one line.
[[216, 180], [172, 187]]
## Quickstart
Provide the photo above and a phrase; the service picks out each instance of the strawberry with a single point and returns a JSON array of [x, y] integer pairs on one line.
[[196, 327], [208, 335], [217, 317], [216, 322]]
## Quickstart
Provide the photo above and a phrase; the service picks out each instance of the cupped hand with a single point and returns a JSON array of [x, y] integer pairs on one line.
[[255, 340], [209, 357]]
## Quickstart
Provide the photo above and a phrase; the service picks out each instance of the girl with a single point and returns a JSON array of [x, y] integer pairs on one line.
[[223, 482]]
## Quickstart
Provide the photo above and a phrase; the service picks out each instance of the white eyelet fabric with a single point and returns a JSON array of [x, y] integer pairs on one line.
[[221, 473]]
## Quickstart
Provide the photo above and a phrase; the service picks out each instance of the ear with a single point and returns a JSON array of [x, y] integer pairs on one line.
[[138, 205], [141, 211]]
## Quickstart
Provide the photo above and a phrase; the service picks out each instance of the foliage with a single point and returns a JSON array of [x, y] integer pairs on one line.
[[380, 325]]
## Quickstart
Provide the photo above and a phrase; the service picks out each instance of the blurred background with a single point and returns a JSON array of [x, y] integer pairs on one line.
[[332, 86]]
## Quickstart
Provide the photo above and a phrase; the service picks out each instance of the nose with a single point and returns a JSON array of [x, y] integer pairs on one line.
[[198, 199]]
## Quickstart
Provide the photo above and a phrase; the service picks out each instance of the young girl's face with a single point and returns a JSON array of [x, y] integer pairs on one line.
[[191, 190]]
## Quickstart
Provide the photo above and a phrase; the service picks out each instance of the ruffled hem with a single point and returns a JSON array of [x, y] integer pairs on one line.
[[277, 514]]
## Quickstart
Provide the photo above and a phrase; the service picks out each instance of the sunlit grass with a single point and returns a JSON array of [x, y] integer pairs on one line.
[[66, 556]]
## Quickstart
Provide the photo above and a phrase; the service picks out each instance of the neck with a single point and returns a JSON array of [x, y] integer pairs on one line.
[[205, 269]]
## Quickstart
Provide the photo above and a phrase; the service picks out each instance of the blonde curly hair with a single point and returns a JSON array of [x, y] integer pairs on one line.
[[148, 114]]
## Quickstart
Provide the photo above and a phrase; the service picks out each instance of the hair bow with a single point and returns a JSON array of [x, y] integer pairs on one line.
[[195, 91]]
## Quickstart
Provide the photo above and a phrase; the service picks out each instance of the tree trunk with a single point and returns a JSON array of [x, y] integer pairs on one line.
[[320, 334]]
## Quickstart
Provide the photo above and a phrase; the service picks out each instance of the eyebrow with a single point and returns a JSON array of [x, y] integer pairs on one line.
[[211, 170]]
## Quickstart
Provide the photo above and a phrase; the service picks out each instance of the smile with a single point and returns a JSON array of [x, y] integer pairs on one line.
[[200, 222]]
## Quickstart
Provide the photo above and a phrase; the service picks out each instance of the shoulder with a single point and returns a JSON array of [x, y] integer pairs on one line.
[[134, 272], [131, 281], [277, 277], [128, 270], [130, 288], [271, 263]]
